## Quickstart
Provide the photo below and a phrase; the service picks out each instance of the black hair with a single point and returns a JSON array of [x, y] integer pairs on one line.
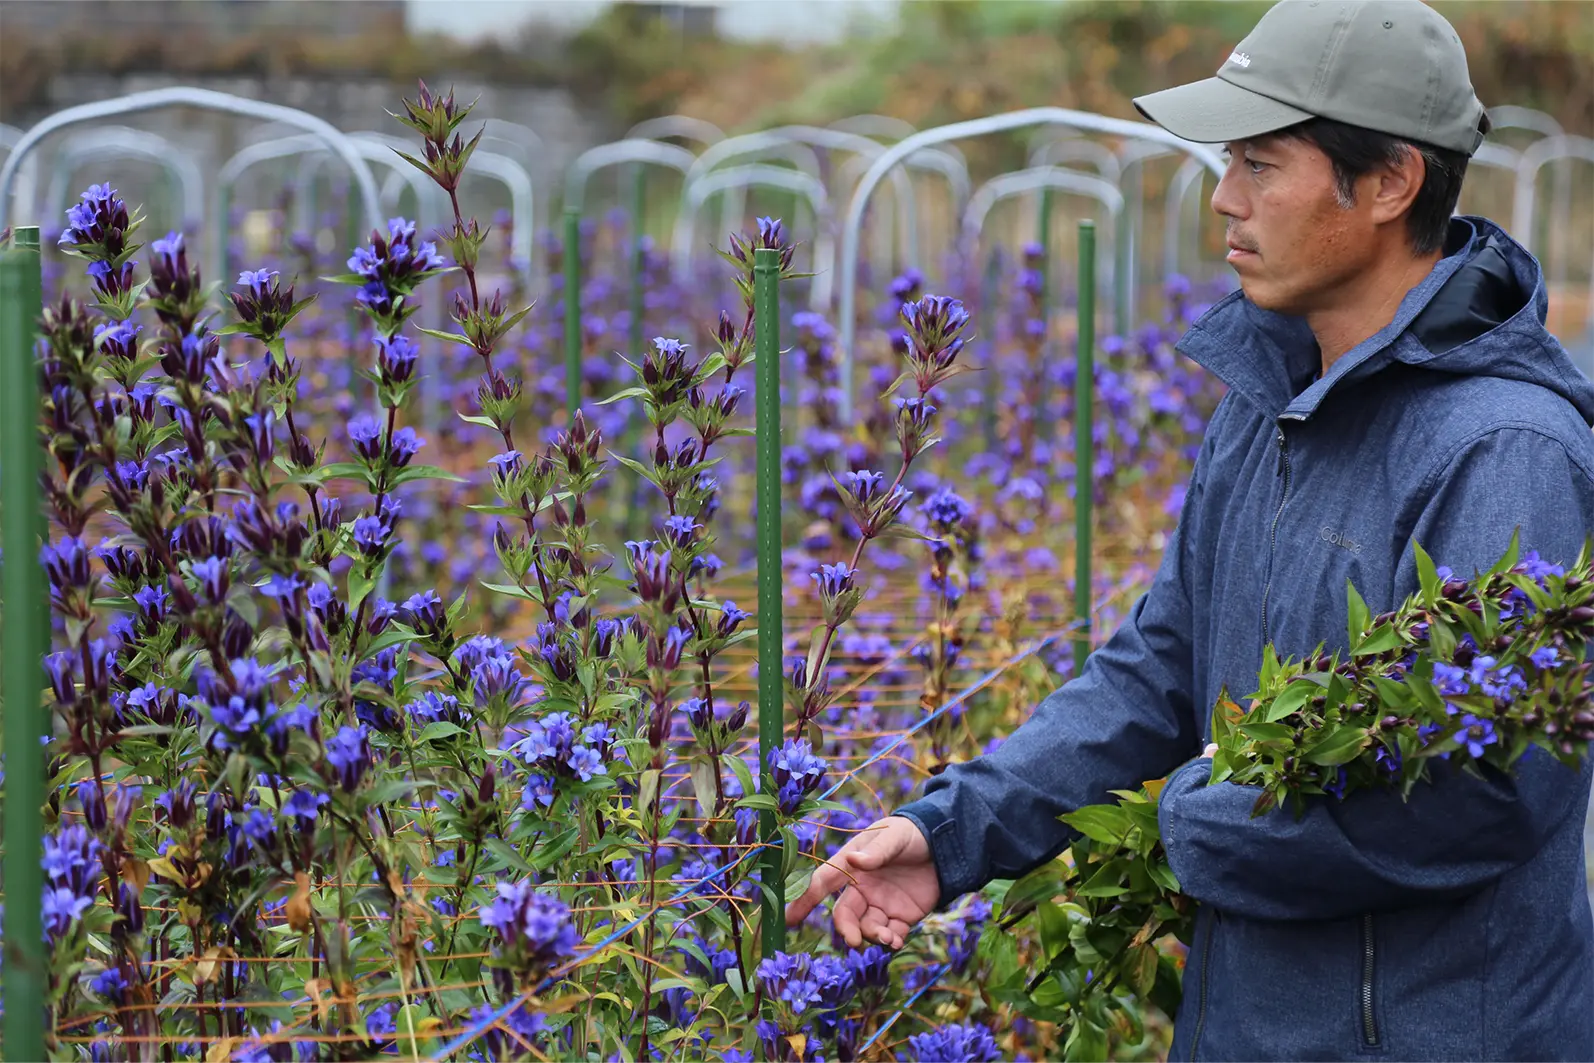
[[1354, 152]]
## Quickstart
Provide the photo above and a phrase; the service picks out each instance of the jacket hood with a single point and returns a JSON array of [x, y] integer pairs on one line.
[[1479, 312]]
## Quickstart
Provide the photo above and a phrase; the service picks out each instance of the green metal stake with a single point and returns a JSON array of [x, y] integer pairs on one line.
[[633, 428], [572, 256], [1084, 441], [771, 718], [22, 646], [1044, 427]]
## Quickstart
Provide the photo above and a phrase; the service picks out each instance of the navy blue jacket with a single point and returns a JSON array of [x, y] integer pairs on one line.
[[1453, 926]]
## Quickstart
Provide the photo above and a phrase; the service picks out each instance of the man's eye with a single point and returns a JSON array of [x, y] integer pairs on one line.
[[1256, 167]]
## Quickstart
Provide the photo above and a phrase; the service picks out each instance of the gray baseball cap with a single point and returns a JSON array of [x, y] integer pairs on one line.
[[1393, 66]]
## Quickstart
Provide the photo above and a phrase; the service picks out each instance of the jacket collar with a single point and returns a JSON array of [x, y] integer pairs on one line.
[[1272, 358]]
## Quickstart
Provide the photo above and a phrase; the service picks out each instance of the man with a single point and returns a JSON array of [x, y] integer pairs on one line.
[[1389, 380]]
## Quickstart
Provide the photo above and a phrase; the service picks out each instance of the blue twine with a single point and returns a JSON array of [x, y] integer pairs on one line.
[[935, 976]]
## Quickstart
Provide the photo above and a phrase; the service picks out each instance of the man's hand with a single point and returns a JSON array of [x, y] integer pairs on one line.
[[891, 884], [1211, 750]]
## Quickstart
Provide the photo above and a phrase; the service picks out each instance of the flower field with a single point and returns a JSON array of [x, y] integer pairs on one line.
[[396, 712]]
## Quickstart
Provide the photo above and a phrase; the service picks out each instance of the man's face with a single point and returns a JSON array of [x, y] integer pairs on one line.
[[1293, 244]]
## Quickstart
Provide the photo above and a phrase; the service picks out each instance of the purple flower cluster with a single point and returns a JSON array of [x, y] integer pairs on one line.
[[551, 745], [491, 668], [99, 223], [797, 772], [955, 1043], [534, 929], [72, 873], [392, 267]]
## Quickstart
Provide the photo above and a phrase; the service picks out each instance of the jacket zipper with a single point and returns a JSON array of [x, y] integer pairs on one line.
[[1206, 963], [1369, 1023], [1273, 535]]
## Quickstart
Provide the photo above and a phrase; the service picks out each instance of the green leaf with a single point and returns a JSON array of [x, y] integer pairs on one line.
[[1338, 746], [550, 852], [347, 470], [511, 591], [1267, 732], [439, 729], [1427, 574], [1383, 639], [409, 1023], [1356, 613], [360, 585], [451, 337], [1107, 881], [1512, 553], [705, 775], [485, 422], [762, 802], [1107, 824], [424, 472], [647, 790], [743, 773], [507, 853], [628, 393], [1294, 696]]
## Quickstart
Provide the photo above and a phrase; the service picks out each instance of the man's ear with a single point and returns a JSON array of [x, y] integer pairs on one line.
[[1395, 185]]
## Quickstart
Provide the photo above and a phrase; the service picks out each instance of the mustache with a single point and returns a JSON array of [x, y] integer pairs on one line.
[[1234, 240]]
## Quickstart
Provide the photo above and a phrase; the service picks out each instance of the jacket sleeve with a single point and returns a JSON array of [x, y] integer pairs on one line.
[[1126, 718], [1456, 833]]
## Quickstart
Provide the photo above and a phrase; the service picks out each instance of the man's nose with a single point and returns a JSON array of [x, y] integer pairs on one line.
[[1227, 199]]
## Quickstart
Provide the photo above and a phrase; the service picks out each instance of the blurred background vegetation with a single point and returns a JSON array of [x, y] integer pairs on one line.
[[944, 60]]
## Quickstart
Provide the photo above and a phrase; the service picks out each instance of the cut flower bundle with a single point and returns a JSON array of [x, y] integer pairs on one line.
[[1474, 673]]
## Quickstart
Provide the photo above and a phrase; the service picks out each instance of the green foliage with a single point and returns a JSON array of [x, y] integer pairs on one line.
[[1420, 682]]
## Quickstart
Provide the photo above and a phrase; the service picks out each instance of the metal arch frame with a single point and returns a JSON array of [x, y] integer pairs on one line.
[[615, 153], [205, 99], [760, 145], [700, 188], [1547, 150], [1036, 178], [86, 146], [1133, 156], [251, 155], [876, 125], [522, 204], [1074, 149], [852, 226], [425, 188], [27, 185], [938, 159], [1541, 152], [935, 160], [677, 125], [864, 148], [533, 154], [1510, 116], [1494, 157], [1187, 177], [522, 138]]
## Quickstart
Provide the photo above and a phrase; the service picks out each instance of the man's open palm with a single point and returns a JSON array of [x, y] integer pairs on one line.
[[890, 880]]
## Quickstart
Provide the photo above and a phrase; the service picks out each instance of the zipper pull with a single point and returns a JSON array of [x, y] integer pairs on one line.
[[1282, 445]]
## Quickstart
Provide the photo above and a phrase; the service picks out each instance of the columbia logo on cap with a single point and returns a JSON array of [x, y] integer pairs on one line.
[[1239, 58]]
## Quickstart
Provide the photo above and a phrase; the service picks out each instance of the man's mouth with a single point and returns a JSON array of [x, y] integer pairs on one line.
[[1239, 252]]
